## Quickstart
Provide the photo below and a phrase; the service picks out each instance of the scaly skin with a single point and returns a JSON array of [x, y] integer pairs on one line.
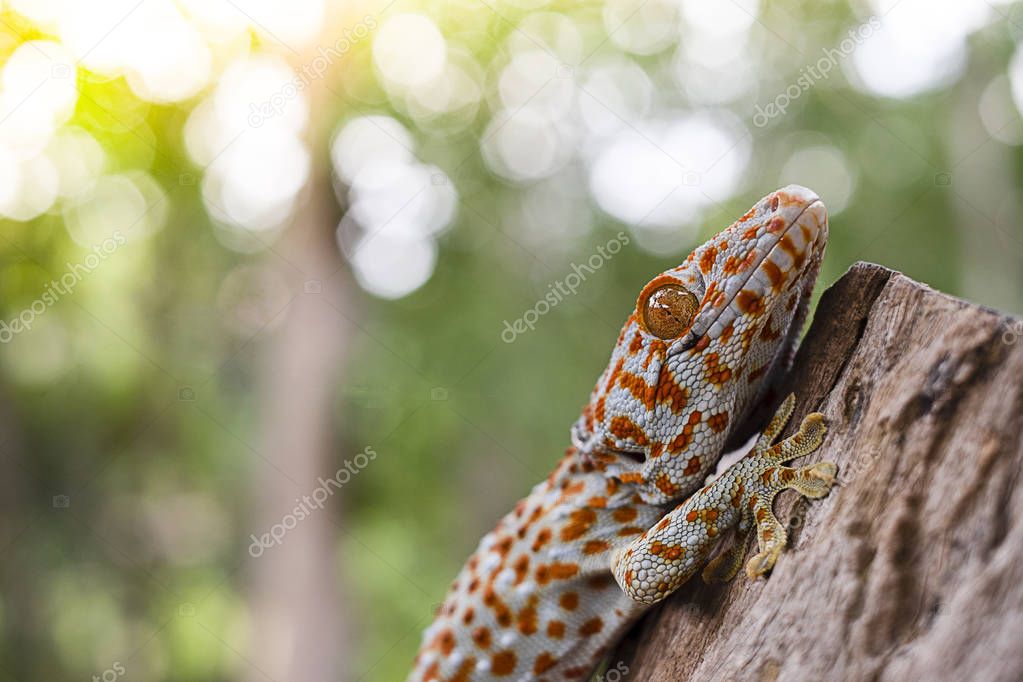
[[538, 599]]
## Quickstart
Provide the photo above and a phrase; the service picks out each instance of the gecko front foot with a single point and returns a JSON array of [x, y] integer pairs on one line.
[[764, 477], [658, 562]]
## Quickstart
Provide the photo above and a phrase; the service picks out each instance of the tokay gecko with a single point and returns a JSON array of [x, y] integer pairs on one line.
[[628, 515]]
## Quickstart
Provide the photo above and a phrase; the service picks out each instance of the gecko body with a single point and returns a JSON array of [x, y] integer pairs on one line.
[[625, 518]]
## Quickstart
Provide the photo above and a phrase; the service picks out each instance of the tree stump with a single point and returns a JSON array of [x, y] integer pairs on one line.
[[912, 567]]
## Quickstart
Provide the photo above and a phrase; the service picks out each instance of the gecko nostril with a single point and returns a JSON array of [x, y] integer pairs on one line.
[[774, 202]]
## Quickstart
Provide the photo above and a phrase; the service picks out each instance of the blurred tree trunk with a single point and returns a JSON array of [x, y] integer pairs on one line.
[[299, 631], [912, 568]]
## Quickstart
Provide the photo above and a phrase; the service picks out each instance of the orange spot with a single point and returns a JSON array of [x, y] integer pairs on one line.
[[521, 568], [769, 334], [707, 260], [668, 552], [465, 671], [542, 538], [727, 332], [749, 302], [555, 571], [503, 614], [591, 627], [692, 516], [692, 467], [629, 530], [544, 662], [773, 273], [657, 350], [624, 514], [595, 547], [569, 601], [798, 257], [446, 642], [482, 637], [503, 663], [578, 523], [670, 392], [639, 388], [624, 428], [747, 337], [555, 629], [527, 616], [665, 485], [681, 441], [731, 265], [613, 377], [718, 422], [746, 216], [637, 343], [776, 225]]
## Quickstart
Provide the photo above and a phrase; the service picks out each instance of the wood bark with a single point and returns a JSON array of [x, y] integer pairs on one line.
[[912, 568]]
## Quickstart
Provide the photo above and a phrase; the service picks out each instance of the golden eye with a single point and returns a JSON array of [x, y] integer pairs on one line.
[[669, 310]]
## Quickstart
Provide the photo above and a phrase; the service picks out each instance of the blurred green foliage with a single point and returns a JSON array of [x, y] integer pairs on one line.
[[159, 489]]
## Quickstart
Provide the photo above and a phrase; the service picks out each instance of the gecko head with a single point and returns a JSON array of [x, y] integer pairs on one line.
[[704, 335]]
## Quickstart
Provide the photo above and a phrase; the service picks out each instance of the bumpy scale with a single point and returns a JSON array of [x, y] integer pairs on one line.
[[553, 586]]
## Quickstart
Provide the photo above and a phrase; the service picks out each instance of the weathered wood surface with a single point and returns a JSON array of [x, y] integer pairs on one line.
[[912, 568]]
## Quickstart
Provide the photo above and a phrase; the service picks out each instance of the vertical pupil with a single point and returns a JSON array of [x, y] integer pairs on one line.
[[669, 311]]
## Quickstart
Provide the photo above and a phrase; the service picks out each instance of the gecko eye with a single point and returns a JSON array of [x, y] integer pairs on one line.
[[669, 310]]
